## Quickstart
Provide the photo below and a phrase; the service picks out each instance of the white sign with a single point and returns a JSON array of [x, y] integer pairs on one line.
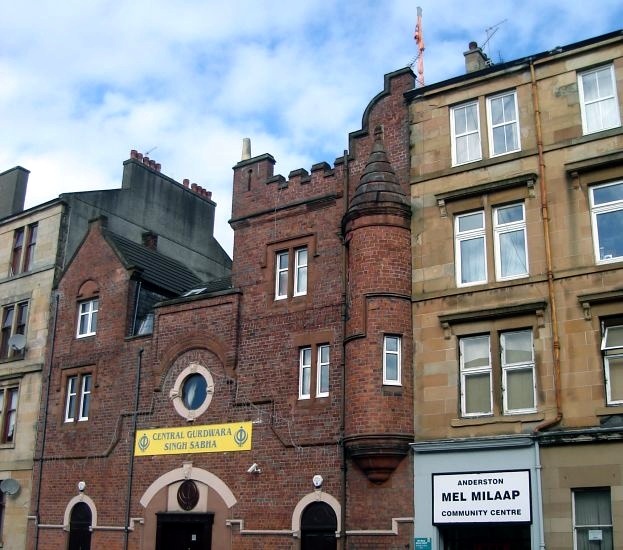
[[484, 497]]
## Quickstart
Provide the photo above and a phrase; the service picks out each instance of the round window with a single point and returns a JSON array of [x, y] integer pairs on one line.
[[192, 391]]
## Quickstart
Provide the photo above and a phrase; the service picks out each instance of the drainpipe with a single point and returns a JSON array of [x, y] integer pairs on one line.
[[44, 419], [344, 319], [548, 256], [131, 463], [539, 493]]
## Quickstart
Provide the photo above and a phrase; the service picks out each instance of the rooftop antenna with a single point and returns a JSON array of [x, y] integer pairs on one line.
[[152, 149], [490, 31], [418, 36]]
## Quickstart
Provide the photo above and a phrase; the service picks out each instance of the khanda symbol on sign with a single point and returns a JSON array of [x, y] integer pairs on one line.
[[241, 436], [143, 443]]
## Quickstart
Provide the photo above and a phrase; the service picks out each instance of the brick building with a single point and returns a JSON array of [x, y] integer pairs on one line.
[[516, 182], [270, 410], [35, 245]]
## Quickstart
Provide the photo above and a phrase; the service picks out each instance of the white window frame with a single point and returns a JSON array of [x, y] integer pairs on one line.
[[281, 293], [300, 271], [305, 372], [508, 367], [71, 398], [387, 381], [322, 366], [456, 136], [466, 372], [85, 397], [500, 229], [75, 399], [8, 414], [598, 527], [467, 235], [610, 352], [600, 100], [512, 122], [601, 255], [88, 309]]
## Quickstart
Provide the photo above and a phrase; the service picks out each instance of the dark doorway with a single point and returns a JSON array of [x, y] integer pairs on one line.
[[184, 531], [486, 536], [318, 527], [80, 527]]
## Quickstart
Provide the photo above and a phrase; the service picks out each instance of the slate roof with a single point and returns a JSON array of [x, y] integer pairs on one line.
[[215, 285], [155, 268]]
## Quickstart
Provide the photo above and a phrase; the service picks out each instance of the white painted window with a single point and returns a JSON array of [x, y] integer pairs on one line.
[[476, 382], [8, 414], [465, 128], [291, 277], [599, 104], [518, 375], [281, 276], [612, 349], [509, 229], [503, 124], [322, 372], [305, 368], [78, 397], [487, 365], [391, 361], [300, 272], [87, 317], [314, 366], [607, 221], [470, 249]]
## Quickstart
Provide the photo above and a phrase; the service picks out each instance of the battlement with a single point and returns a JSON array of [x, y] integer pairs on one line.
[[257, 189]]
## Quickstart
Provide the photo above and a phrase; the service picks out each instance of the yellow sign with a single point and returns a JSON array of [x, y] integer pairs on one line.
[[214, 438]]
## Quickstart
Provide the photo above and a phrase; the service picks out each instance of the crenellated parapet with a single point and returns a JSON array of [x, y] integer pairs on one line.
[[258, 190]]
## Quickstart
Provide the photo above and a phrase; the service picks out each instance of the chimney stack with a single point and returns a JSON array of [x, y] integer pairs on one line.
[[475, 59], [13, 185], [246, 149]]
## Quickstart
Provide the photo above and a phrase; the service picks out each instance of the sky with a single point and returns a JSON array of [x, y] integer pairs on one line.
[[84, 82]]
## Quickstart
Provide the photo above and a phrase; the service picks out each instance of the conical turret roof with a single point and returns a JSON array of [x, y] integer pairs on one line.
[[379, 184]]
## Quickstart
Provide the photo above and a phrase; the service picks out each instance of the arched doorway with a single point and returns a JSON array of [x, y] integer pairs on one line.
[[80, 527], [318, 527]]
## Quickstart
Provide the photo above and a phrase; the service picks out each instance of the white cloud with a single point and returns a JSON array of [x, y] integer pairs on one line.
[[85, 82]]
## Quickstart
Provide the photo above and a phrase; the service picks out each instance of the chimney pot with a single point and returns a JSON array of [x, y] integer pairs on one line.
[[246, 148], [158, 167], [209, 195], [139, 156], [186, 182], [193, 186], [133, 153], [145, 160], [473, 45]]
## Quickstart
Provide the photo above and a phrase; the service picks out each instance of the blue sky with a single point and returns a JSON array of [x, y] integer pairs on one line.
[[83, 83]]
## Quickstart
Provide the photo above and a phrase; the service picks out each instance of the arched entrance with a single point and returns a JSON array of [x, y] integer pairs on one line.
[[79, 527], [318, 527]]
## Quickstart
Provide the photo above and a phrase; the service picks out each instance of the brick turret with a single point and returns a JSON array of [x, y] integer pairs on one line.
[[379, 412]]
